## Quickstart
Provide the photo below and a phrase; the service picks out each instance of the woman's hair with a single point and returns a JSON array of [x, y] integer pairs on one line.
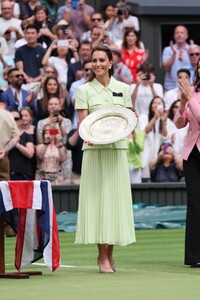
[[26, 109], [52, 67], [47, 96], [126, 32], [41, 7], [197, 78], [171, 110], [44, 129], [151, 112], [108, 52]]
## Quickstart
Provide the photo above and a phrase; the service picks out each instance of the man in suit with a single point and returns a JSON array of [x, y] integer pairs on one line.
[[15, 97], [75, 70]]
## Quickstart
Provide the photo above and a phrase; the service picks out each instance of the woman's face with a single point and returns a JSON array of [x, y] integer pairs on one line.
[[62, 50], [49, 71], [100, 64], [131, 38], [157, 105], [109, 12], [25, 117], [52, 86], [53, 104], [41, 16]]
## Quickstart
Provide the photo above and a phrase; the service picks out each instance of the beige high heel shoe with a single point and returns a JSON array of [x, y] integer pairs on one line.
[[102, 269]]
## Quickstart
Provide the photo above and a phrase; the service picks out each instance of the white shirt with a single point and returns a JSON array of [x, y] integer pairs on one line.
[[170, 97], [61, 66]]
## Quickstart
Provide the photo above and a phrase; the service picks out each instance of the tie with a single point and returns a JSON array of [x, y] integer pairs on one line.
[[16, 97]]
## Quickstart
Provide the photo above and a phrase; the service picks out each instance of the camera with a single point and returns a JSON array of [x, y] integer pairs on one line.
[[147, 76], [64, 27]]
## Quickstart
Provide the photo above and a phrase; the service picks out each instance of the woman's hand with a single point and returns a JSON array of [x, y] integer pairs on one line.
[[185, 88]]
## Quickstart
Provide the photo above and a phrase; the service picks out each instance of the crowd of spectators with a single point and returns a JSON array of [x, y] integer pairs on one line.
[[44, 57]]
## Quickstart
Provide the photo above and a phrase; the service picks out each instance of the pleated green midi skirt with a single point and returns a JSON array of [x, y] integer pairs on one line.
[[105, 214]]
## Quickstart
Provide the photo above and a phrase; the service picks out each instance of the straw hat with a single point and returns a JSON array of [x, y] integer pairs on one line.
[[56, 26]]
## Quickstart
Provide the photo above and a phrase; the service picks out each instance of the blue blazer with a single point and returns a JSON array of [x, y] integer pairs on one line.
[[8, 98]]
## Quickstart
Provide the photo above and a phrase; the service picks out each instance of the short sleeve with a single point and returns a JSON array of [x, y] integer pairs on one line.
[[81, 98]]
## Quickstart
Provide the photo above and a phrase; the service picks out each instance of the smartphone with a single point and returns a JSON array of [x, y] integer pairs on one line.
[[53, 131], [56, 113], [63, 43], [64, 27], [75, 3], [160, 106]]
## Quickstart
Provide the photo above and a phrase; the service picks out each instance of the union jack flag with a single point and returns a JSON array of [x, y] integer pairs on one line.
[[37, 234]]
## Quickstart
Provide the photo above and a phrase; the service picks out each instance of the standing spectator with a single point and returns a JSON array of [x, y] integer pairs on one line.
[[78, 16], [14, 96], [194, 54], [10, 27], [155, 127], [174, 94], [175, 57], [5, 62], [27, 11], [132, 54], [51, 153], [16, 9], [96, 19], [145, 89], [32, 52], [75, 69], [121, 71]]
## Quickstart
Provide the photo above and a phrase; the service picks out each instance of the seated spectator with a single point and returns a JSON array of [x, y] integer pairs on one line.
[[135, 143], [167, 166], [44, 25], [132, 53], [14, 96], [121, 71], [155, 127], [10, 27], [108, 12], [50, 155], [75, 143], [145, 89], [75, 69], [63, 125], [52, 88], [27, 11], [32, 52], [16, 9], [174, 94], [78, 17]]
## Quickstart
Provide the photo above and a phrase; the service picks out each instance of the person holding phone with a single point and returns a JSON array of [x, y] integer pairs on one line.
[[50, 154]]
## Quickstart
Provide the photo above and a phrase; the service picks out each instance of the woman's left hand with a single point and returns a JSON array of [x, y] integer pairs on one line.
[[59, 119], [185, 89]]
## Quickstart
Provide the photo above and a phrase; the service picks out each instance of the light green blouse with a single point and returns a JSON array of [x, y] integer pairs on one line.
[[93, 96]]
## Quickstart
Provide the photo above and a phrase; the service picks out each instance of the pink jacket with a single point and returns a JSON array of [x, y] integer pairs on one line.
[[191, 114]]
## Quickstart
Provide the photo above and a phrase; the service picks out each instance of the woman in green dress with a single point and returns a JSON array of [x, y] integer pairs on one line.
[[105, 215]]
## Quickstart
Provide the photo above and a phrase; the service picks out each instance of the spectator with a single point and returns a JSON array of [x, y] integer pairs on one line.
[[50, 155], [14, 96], [16, 9], [75, 69], [32, 52], [135, 146], [63, 125], [10, 27], [87, 66], [121, 71], [155, 127], [132, 21], [176, 135], [78, 16], [132, 54], [167, 166], [174, 94], [145, 89], [51, 88], [175, 57], [27, 11], [44, 24], [5, 61], [194, 54], [4, 79], [108, 12], [96, 19]]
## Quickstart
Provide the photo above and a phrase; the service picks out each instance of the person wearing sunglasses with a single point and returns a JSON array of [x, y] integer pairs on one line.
[[194, 55], [14, 96], [189, 113]]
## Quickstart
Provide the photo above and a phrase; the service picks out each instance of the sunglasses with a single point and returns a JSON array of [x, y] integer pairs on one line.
[[17, 118], [196, 54], [96, 19], [18, 75], [87, 70]]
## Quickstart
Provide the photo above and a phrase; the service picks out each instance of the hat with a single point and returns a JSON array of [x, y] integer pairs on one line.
[[108, 125], [60, 23], [115, 50]]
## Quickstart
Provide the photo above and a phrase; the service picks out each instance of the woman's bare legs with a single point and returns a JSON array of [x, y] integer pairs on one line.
[[103, 260]]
